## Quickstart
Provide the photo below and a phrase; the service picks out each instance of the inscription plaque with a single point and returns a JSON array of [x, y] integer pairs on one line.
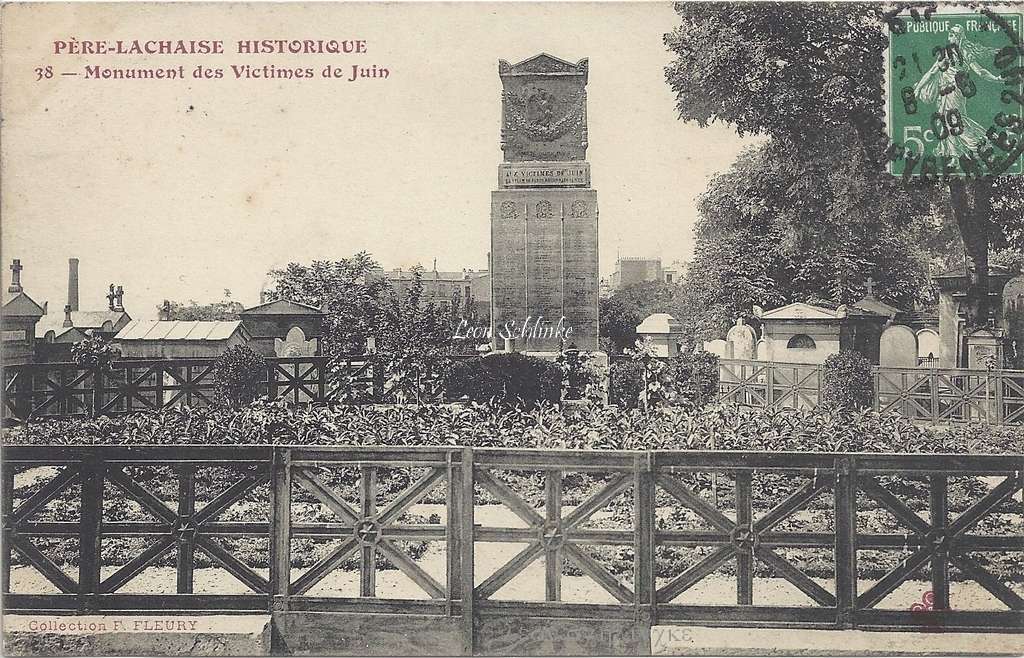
[[543, 174]]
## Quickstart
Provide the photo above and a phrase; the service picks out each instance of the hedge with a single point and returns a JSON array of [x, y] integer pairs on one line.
[[715, 426]]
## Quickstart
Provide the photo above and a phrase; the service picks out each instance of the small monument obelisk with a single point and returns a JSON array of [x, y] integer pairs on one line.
[[544, 256]]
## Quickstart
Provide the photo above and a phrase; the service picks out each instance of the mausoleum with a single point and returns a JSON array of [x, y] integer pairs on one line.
[[283, 328], [18, 320]]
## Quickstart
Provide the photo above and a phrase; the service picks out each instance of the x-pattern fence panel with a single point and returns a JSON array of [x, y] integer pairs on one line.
[[648, 505], [59, 390], [769, 384], [930, 395]]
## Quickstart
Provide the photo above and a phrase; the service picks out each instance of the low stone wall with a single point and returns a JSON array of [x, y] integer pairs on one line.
[[136, 635]]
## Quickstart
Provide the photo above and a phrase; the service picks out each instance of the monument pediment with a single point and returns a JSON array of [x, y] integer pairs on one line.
[[282, 307], [21, 305], [800, 311], [543, 64]]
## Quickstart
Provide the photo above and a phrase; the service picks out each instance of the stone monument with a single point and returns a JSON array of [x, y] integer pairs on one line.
[[544, 257], [743, 339]]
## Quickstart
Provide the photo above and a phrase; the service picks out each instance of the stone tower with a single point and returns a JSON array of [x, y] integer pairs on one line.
[[544, 256]]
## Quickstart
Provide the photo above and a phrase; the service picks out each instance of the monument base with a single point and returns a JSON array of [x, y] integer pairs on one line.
[[984, 349]]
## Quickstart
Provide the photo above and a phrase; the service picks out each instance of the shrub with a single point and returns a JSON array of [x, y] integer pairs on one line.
[[95, 352], [509, 379], [625, 381], [696, 378], [581, 379], [847, 382], [239, 373]]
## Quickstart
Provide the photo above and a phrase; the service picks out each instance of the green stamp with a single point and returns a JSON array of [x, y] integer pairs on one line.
[[955, 85]]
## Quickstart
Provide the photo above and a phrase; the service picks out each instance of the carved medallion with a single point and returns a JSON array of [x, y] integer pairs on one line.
[[578, 208], [508, 210], [544, 210]]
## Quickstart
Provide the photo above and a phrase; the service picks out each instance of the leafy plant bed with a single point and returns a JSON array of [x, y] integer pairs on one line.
[[715, 427]]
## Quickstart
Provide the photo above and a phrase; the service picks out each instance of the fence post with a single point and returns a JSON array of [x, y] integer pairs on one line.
[[280, 528], [933, 394], [7, 503], [467, 555], [820, 374], [999, 392], [186, 530], [876, 385], [769, 385], [22, 392], [321, 380], [939, 513], [271, 381], [453, 531], [644, 544], [97, 391], [553, 516], [161, 375], [90, 533], [745, 553], [846, 541], [378, 379]]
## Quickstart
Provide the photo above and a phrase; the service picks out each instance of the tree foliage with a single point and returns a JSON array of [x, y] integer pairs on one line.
[[225, 309], [778, 228], [627, 307], [810, 77], [239, 373], [345, 289], [413, 338]]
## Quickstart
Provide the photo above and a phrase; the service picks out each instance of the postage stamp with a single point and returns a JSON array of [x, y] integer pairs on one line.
[[955, 102]]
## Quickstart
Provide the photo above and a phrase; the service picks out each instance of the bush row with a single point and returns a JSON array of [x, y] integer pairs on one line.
[[585, 426]]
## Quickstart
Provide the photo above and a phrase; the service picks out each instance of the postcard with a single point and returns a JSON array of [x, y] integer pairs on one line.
[[507, 328]]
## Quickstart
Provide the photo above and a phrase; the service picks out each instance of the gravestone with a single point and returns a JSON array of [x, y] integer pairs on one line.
[[985, 350], [295, 344], [1013, 320], [743, 340], [897, 348], [544, 251], [764, 350]]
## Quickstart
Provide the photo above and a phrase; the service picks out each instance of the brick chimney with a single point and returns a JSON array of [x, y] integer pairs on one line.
[[73, 284], [67, 316]]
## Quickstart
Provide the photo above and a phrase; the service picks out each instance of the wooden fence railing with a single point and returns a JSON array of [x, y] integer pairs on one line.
[[61, 390], [651, 505], [934, 395]]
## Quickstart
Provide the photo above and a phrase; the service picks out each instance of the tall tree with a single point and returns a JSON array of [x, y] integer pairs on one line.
[[624, 309], [811, 75], [346, 289], [776, 228]]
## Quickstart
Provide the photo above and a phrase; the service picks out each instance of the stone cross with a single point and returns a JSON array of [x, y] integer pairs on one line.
[[119, 300], [870, 285], [16, 269], [111, 296], [67, 316]]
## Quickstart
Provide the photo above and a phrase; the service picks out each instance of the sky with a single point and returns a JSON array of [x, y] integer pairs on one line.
[[179, 189]]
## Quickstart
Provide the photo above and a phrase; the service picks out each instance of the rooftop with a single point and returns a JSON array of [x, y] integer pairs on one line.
[[179, 330]]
